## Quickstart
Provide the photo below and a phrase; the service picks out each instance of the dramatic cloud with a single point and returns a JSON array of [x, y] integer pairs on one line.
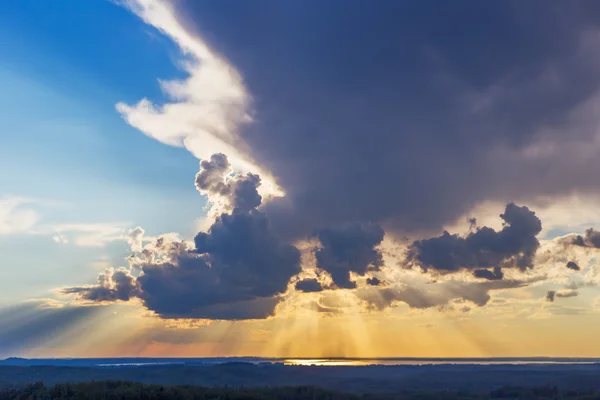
[[237, 192], [360, 147], [514, 246], [409, 146], [207, 107], [238, 269], [309, 285], [350, 248], [135, 238], [350, 136]]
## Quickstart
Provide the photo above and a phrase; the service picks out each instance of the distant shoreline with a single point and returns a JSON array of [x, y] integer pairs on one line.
[[338, 361]]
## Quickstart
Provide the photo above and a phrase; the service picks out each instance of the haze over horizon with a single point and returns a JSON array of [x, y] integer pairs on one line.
[[299, 179]]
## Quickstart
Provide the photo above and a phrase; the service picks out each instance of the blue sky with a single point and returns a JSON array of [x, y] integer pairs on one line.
[[63, 69], [292, 170]]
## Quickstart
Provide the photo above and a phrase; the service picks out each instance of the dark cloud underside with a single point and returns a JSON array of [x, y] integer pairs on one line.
[[514, 246], [237, 270], [350, 248], [407, 114]]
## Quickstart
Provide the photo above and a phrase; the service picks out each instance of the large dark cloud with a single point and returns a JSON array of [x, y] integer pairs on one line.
[[401, 114], [350, 248], [408, 115], [237, 270], [514, 246]]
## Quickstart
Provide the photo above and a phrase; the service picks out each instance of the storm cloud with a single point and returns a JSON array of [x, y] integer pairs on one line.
[[350, 248], [238, 269], [514, 246], [387, 120], [239, 190], [353, 132]]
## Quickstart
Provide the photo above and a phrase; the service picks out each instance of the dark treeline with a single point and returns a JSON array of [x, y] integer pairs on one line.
[[376, 380], [120, 390]]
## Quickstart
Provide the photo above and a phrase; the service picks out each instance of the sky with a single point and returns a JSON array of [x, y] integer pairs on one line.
[[299, 179]]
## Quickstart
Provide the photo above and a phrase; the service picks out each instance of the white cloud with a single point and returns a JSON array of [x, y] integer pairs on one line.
[[16, 215], [59, 238], [135, 238], [207, 108], [91, 235]]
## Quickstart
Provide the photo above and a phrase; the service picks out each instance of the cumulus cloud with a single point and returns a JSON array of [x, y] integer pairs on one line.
[[350, 248], [317, 142], [514, 246], [113, 284], [364, 147], [225, 190], [238, 269], [135, 238], [331, 151]]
